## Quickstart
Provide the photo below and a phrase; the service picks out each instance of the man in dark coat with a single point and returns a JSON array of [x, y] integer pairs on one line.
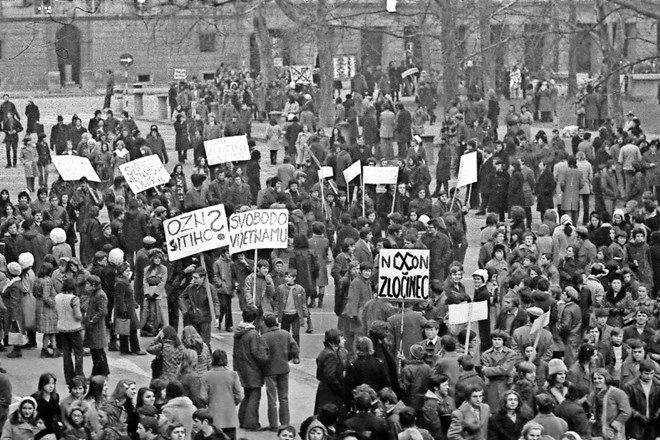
[[58, 136], [645, 407], [499, 184], [135, 229], [250, 358], [402, 130], [440, 249], [195, 305], [330, 371], [281, 349], [291, 135]]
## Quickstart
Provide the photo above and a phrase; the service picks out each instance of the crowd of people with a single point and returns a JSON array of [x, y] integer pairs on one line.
[[588, 369]]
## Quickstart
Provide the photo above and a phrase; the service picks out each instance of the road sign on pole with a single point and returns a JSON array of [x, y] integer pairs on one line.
[[126, 59]]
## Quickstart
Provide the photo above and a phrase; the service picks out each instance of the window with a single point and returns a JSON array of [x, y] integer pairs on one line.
[[629, 42], [207, 42], [144, 78], [208, 76]]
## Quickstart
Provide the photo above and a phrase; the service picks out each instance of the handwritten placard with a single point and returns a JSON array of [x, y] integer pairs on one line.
[[75, 168], [197, 231], [227, 149], [144, 173], [259, 229]]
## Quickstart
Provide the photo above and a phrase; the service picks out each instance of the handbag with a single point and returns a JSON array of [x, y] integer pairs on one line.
[[122, 326], [16, 337]]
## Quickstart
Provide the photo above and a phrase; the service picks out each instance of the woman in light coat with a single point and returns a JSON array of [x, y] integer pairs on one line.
[[220, 386], [29, 159], [571, 182], [386, 133], [21, 425]]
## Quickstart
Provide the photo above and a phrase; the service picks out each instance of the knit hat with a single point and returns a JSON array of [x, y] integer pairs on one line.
[[57, 236], [417, 352], [565, 219], [14, 269], [481, 273], [116, 256], [556, 366], [26, 260], [620, 213], [148, 240]]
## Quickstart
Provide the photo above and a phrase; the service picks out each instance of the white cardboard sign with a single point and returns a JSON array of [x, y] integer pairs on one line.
[[197, 231], [259, 229], [75, 168], [353, 171], [227, 149], [380, 175], [468, 312], [144, 173], [467, 171]]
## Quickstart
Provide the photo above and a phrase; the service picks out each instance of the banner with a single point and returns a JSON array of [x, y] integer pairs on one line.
[[343, 67], [144, 173], [259, 229], [403, 274], [301, 74], [227, 149], [380, 175], [468, 312], [467, 171], [409, 72], [75, 168], [353, 171], [197, 231]]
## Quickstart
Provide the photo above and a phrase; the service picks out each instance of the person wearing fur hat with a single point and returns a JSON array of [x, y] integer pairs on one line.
[[497, 362], [557, 382], [12, 295], [22, 423], [60, 247]]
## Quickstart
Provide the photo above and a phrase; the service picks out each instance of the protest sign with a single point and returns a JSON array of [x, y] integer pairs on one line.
[[197, 231], [403, 274], [353, 171], [380, 175], [325, 173], [258, 229], [467, 171], [468, 312], [180, 74], [343, 67], [301, 74], [75, 168], [540, 322], [227, 149], [144, 173]]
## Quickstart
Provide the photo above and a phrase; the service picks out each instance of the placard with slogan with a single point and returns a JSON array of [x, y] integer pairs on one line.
[[380, 175], [467, 171], [301, 74], [403, 274], [75, 168], [144, 173], [227, 149], [197, 231], [259, 229], [343, 67], [180, 74]]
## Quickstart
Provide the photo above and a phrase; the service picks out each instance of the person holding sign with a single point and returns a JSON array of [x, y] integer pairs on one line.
[[194, 304]]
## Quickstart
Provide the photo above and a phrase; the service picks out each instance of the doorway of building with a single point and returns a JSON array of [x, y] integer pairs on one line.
[[67, 49]]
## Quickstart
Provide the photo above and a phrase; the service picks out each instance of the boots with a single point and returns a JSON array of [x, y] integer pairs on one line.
[[320, 301], [16, 352], [312, 301], [113, 343]]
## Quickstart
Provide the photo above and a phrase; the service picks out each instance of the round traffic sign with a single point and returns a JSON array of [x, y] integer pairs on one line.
[[126, 59]]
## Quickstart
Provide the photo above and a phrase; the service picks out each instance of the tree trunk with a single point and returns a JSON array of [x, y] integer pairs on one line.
[[612, 38], [487, 64], [264, 43], [325, 36], [572, 50], [448, 44]]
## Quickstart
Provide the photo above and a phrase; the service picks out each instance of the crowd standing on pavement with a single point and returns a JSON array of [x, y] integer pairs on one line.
[[387, 371]]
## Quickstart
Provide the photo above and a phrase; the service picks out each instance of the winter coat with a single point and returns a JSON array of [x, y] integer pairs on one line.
[[614, 413], [545, 189], [368, 370], [575, 417], [499, 189], [180, 410], [319, 246], [12, 296], [464, 414], [21, 431], [501, 427], [94, 321], [181, 141], [571, 184], [441, 254], [330, 374], [587, 176], [46, 315], [359, 293], [250, 356], [497, 368], [635, 428], [402, 127], [281, 349], [300, 300], [219, 387], [135, 229], [306, 263], [443, 167], [387, 124], [520, 190], [125, 302], [171, 355]]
